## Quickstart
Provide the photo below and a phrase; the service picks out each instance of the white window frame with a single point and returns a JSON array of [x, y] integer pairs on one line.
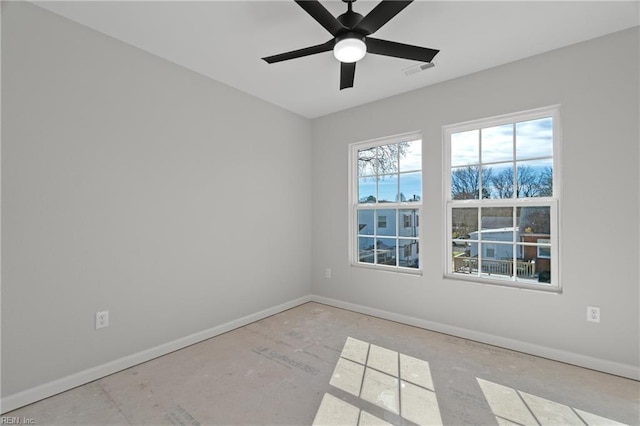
[[354, 206], [552, 202]]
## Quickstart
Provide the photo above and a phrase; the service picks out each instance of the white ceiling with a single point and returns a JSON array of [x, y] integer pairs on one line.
[[226, 39]]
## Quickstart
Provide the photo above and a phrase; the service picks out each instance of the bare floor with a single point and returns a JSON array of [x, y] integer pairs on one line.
[[315, 364]]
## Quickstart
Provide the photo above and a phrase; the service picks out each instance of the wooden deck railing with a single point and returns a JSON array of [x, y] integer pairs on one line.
[[469, 265]]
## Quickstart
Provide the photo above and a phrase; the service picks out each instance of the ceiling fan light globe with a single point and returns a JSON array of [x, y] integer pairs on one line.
[[349, 50]]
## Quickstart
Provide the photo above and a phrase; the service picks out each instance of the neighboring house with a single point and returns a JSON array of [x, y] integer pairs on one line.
[[491, 247], [496, 247], [541, 255], [385, 240]]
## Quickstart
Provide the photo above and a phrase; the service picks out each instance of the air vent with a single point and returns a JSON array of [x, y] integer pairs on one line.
[[417, 68]]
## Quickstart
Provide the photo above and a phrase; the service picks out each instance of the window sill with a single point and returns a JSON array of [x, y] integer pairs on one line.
[[518, 285], [392, 269]]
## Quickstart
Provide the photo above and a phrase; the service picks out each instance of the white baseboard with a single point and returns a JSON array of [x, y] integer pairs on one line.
[[611, 367], [20, 399], [28, 396]]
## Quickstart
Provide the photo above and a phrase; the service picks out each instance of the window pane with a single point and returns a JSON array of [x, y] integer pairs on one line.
[[497, 224], [386, 251], [366, 249], [534, 222], [465, 148], [465, 183], [408, 253], [367, 190], [535, 264], [543, 270], [464, 223], [411, 187], [535, 178], [386, 222], [497, 143], [367, 162], [534, 138], [388, 188], [409, 223], [365, 222], [498, 181], [410, 156]]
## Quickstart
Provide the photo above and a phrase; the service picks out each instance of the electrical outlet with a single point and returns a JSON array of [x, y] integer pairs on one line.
[[593, 314], [327, 273], [102, 319]]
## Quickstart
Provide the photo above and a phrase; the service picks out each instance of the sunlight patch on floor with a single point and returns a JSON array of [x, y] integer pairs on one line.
[[334, 411], [511, 406], [402, 386], [347, 376], [398, 383]]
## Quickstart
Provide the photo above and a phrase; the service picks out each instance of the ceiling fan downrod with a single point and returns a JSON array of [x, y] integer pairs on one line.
[[350, 18]]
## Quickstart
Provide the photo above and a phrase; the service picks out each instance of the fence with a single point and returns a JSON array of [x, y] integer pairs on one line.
[[469, 265]]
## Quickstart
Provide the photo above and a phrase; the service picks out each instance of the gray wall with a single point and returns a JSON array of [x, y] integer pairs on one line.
[[133, 185], [179, 204], [596, 84]]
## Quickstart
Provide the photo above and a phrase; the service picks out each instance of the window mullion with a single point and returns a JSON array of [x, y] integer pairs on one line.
[[480, 166], [397, 208], [515, 163], [514, 256], [480, 242]]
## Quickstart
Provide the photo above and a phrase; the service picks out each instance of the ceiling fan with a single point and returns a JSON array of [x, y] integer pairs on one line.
[[351, 39]]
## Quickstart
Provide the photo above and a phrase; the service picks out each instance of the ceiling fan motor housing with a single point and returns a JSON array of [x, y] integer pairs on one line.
[[350, 18], [350, 35]]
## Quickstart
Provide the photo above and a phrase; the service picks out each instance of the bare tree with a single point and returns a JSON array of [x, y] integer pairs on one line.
[[546, 182], [465, 182], [530, 182], [382, 159], [464, 221], [535, 220], [503, 184]]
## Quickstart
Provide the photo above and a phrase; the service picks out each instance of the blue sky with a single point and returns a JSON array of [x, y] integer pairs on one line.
[[533, 139], [409, 178]]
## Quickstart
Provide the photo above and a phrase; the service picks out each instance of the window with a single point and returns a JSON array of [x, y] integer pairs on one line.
[[386, 203], [490, 251], [544, 251], [501, 199], [382, 221]]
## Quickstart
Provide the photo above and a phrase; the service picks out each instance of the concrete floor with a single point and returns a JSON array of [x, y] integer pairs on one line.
[[315, 364]]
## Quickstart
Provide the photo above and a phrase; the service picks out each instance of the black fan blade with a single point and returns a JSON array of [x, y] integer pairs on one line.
[[399, 50], [347, 74], [321, 15], [380, 15], [325, 47]]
